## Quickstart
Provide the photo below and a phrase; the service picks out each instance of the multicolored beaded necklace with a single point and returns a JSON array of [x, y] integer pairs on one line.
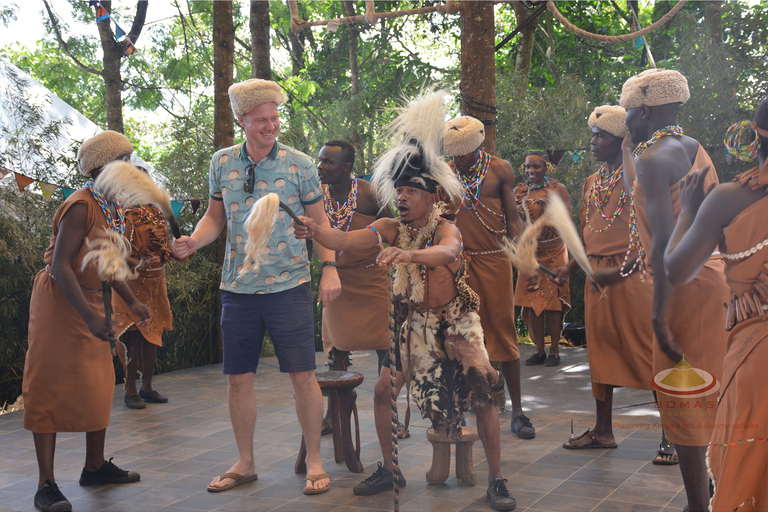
[[341, 214], [118, 224], [634, 238], [601, 192], [531, 186], [471, 184]]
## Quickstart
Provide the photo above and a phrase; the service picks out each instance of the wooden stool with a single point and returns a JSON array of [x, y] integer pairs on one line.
[[441, 456], [339, 387]]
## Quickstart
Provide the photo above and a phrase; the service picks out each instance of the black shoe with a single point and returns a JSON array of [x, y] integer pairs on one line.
[[133, 402], [535, 359], [522, 426], [152, 397], [552, 360], [108, 473], [381, 480], [50, 499], [499, 495]]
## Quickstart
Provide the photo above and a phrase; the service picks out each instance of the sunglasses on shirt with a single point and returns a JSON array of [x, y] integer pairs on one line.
[[250, 178]]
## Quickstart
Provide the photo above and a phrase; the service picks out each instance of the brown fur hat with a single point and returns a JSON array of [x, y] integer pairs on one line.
[[101, 149], [247, 95], [654, 87], [609, 118], [463, 135]]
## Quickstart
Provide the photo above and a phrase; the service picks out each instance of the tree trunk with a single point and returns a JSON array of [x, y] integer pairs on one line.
[[260, 41], [478, 68], [713, 15], [354, 118], [525, 47], [223, 66]]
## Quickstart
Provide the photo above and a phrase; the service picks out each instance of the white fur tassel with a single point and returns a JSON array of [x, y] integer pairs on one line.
[[258, 225], [110, 255], [522, 252]]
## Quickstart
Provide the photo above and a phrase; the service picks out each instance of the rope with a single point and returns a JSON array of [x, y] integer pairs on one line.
[[614, 39], [393, 392]]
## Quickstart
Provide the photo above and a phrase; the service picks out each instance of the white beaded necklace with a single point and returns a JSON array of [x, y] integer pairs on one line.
[[747, 253]]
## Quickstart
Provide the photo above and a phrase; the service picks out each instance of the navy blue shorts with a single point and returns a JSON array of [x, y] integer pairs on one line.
[[287, 315]]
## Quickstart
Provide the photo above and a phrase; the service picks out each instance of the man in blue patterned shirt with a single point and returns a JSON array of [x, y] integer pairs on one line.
[[277, 297]]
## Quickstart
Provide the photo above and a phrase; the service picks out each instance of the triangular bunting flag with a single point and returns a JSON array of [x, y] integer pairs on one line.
[[119, 33], [176, 206], [195, 204], [129, 48], [638, 43], [92, 3], [67, 191], [555, 155], [4, 172], [576, 154], [47, 189], [101, 14], [22, 181]]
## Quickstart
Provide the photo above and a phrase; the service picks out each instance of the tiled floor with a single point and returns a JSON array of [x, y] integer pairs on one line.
[[178, 447]]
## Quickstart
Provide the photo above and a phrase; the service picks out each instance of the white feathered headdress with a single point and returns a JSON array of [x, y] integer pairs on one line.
[[417, 159]]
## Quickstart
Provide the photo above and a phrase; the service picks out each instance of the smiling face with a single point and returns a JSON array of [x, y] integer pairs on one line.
[[414, 204], [535, 169], [605, 146], [261, 124], [332, 168]]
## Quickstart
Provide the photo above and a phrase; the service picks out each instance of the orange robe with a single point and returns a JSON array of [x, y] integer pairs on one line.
[[619, 336], [696, 317], [146, 229], [551, 253], [738, 453], [490, 275], [69, 379], [358, 319]]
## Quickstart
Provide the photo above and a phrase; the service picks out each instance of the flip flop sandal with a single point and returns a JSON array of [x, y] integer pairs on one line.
[[668, 454], [238, 480], [327, 429], [314, 478], [402, 431], [594, 444]]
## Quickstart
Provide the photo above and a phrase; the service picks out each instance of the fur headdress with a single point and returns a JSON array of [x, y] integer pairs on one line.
[[609, 118], [245, 96], [417, 160], [654, 87], [463, 135], [101, 149]]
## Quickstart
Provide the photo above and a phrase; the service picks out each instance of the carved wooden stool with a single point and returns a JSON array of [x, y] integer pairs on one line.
[[441, 456], [339, 387]]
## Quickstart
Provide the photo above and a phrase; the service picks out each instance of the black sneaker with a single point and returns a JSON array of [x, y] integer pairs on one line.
[[152, 397], [522, 426], [108, 473], [499, 495], [50, 499], [535, 359], [381, 480]]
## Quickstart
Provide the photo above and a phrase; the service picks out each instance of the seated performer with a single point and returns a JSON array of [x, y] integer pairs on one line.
[[67, 330], [733, 216], [536, 294], [441, 341], [620, 336], [350, 204], [687, 320], [488, 214]]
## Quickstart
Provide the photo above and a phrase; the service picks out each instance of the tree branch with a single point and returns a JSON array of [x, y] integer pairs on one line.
[[64, 45]]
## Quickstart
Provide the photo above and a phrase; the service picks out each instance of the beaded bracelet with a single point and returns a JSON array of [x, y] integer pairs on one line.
[[733, 137]]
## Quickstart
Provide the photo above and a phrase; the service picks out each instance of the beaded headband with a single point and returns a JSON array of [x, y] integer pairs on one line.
[[550, 166], [743, 131]]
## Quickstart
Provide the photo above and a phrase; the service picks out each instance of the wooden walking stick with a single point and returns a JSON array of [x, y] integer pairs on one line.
[[393, 391]]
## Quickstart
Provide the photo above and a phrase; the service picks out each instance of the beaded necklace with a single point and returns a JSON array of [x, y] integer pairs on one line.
[[600, 194], [471, 184], [341, 214], [150, 215], [531, 186], [634, 238], [747, 253], [413, 272], [118, 224]]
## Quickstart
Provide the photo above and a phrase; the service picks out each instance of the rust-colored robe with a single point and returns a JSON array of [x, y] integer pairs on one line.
[[147, 231], [619, 336], [738, 452], [490, 275], [69, 379], [696, 317], [358, 319], [551, 253]]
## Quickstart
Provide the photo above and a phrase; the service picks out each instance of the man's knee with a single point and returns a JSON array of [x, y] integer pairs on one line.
[[304, 381], [240, 381]]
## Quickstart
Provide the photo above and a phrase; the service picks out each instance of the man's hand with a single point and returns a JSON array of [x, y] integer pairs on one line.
[[305, 231], [531, 282], [605, 277], [183, 247], [98, 326], [627, 145], [142, 311], [394, 256], [330, 284], [562, 275], [667, 341], [692, 192]]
